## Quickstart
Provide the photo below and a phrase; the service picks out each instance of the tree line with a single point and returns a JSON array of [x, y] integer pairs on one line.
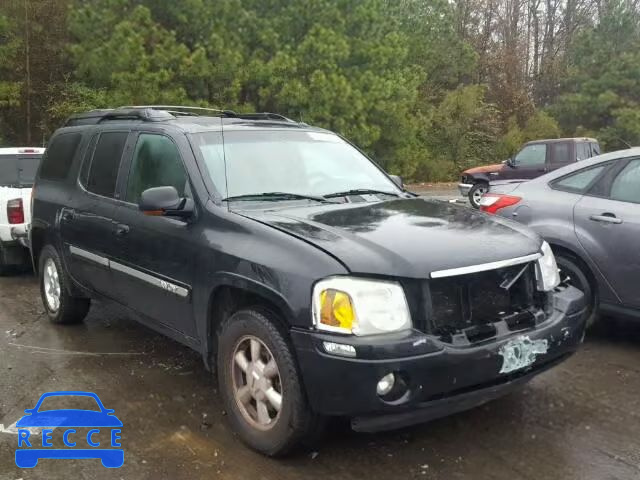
[[427, 87]]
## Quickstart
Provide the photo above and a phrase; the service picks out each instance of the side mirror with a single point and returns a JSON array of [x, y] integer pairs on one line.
[[165, 201], [511, 162], [397, 180]]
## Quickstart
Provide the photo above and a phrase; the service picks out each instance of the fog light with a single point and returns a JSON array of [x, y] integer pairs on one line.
[[385, 385], [339, 349]]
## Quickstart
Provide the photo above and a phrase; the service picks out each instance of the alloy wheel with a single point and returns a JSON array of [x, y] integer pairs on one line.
[[478, 193], [51, 285], [257, 386]]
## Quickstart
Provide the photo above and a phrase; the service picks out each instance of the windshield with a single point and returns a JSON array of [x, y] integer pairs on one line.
[[18, 170], [64, 402], [304, 163]]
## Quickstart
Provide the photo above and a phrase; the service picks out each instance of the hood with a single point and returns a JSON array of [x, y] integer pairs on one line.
[[403, 237], [484, 169]]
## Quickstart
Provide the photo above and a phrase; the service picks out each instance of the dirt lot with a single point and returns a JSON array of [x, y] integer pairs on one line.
[[578, 421]]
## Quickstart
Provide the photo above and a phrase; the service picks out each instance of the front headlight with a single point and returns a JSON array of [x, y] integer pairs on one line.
[[547, 273], [359, 306]]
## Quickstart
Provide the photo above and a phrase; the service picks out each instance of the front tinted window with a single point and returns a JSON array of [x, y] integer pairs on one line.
[[626, 186], [579, 181], [59, 156], [103, 172], [531, 155], [156, 163], [304, 163]]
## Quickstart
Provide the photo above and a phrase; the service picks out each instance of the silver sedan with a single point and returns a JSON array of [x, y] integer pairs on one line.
[[589, 212]]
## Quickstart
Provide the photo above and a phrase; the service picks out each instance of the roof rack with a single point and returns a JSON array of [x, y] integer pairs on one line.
[[159, 113], [97, 116], [186, 109]]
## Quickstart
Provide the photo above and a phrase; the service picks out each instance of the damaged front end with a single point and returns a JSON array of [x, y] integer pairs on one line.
[[473, 307], [478, 333]]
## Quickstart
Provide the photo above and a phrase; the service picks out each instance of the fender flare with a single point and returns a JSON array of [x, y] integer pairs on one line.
[[255, 287]]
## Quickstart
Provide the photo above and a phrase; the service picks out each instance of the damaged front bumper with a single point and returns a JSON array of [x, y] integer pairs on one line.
[[439, 378]]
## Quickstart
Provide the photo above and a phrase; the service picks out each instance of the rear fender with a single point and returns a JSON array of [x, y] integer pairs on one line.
[[557, 234]]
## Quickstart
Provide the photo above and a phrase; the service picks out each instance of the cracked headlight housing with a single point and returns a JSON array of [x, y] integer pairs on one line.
[[360, 306], [547, 274]]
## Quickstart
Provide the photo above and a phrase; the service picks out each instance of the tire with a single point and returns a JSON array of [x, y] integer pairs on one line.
[[67, 309], [575, 273], [294, 424], [476, 193]]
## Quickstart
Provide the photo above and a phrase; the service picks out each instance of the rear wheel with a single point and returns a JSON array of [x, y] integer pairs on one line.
[[260, 385], [476, 193], [60, 306], [573, 272]]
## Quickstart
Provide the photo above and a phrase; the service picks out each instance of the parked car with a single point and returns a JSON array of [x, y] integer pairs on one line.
[[305, 276], [18, 168], [590, 215], [533, 160]]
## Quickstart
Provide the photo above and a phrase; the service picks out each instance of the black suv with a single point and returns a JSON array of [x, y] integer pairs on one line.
[[307, 278]]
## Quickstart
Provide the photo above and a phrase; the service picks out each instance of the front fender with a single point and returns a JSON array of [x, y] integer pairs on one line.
[[234, 280], [479, 177]]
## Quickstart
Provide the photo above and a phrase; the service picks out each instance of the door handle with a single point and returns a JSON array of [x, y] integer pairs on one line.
[[606, 218], [122, 229], [68, 215]]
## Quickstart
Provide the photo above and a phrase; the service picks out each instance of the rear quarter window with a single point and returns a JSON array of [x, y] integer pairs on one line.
[[578, 182], [59, 155], [583, 151]]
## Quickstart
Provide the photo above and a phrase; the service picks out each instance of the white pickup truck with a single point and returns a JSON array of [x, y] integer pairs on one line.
[[18, 167]]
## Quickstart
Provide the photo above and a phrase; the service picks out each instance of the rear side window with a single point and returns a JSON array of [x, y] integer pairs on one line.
[[560, 152], [595, 149], [59, 156], [578, 182], [105, 163], [583, 151], [626, 186]]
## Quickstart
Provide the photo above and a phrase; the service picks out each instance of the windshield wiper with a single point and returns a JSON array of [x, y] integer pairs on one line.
[[360, 191], [275, 196]]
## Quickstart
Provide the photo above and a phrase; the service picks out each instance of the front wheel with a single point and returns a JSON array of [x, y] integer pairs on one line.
[[61, 307], [260, 384], [574, 273], [476, 193]]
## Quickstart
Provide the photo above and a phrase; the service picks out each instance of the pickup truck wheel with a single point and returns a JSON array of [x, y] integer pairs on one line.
[[260, 385], [573, 272], [59, 305], [476, 193]]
